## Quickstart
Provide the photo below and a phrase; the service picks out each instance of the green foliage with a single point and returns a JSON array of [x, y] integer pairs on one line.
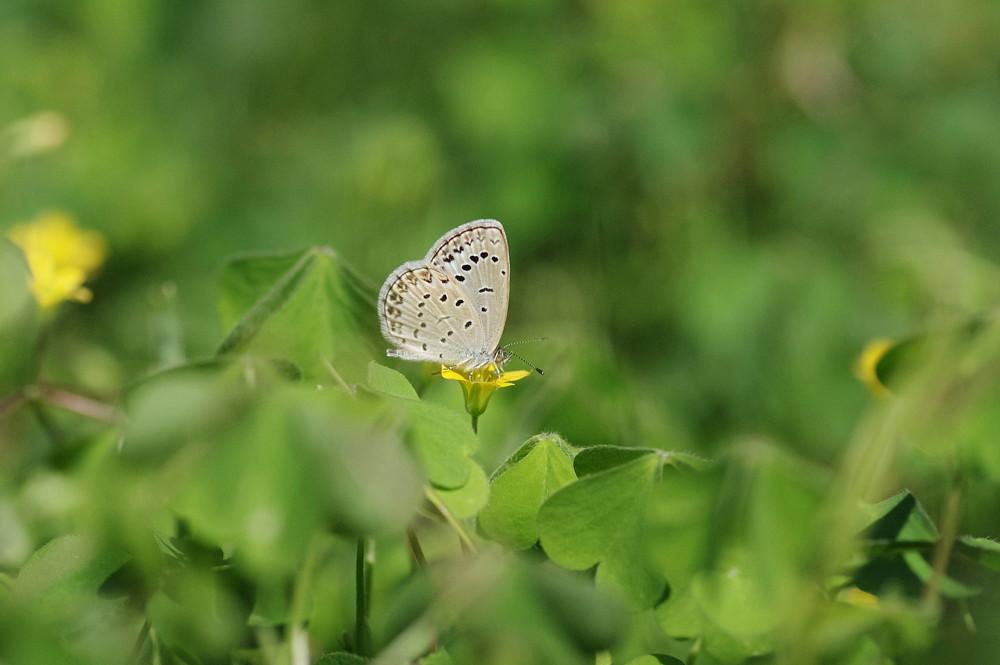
[[305, 307], [214, 519], [712, 209]]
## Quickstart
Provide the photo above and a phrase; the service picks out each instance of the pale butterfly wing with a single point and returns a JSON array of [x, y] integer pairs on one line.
[[439, 310], [476, 256]]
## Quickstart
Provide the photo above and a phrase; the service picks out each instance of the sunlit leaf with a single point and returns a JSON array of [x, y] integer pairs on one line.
[[65, 571], [442, 440], [655, 659], [599, 519], [437, 658], [307, 307], [539, 467], [983, 550], [738, 621], [466, 501], [389, 381]]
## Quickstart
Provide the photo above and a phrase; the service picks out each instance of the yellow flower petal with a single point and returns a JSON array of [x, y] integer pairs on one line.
[[479, 384], [859, 598], [867, 363], [508, 378], [447, 373]]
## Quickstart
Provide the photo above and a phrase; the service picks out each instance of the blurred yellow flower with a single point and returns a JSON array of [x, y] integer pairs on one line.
[[480, 383], [60, 256], [867, 362], [857, 597]]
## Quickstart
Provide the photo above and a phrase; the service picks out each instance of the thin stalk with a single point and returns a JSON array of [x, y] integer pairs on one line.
[[362, 635], [459, 528], [140, 641], [416, 551], [944, 546], [299, 610], [11, 403], [79, 404], [475, 423]]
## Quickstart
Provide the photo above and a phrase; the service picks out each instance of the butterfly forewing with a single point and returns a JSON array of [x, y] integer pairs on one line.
[[429, 317], [475, 255]]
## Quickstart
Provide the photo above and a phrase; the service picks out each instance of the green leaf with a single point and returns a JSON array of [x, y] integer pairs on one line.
[[307, 307], [442, 440], [983, 550], [580, 521], [539, 467], [901, 536], [909, 355], [588, 617], [899, 530], [170, 408], [900, 517], [949, 586], [300, 461], [739, 622], [683, 515], [466, 501], [437, 658], [513, 610], [65, 571], [199, 614], [598, 519], [598, 458], [18, 320], [341, 658], [680, 615], [655, 659], [389, 381]]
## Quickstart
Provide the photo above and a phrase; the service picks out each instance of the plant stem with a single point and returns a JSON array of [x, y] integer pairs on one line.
[[459, 528], [140, 641], [416, 551], [362, 576], [945, 544], [79, 404], [475, 423], [299, 609]]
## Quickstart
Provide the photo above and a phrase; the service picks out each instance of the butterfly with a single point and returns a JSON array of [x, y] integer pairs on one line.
[[451, 306]]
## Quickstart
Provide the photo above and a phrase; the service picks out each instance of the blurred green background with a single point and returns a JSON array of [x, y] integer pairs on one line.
[[711, 206]]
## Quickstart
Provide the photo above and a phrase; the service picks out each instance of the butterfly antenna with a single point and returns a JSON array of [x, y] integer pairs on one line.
[[524, 341]]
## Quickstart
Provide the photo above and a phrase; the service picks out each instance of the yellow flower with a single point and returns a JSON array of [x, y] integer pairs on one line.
[[869, 359], [60, 256], [857, 597], [480, 383]]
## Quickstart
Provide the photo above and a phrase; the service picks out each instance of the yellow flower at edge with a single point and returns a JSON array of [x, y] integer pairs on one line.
[[479, 384], [858, 598], [60, 256], [867, 362]]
